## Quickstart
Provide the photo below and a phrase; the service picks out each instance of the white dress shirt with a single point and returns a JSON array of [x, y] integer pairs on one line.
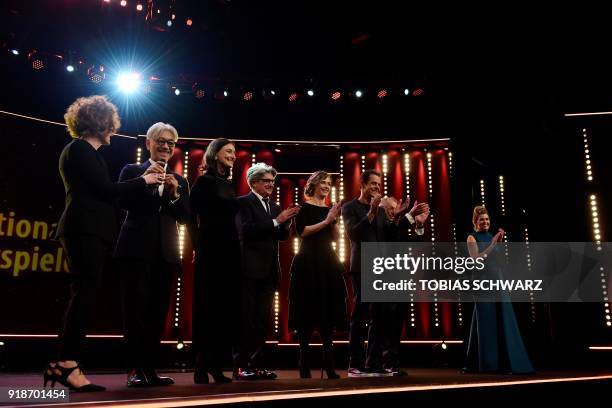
[[263, 203]]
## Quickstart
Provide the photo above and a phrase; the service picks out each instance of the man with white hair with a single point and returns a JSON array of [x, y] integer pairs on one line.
[[261, 225], [148, 253]]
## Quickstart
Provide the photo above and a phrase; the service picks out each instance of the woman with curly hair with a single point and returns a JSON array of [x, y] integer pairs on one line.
[[87, 228], [317, 293]]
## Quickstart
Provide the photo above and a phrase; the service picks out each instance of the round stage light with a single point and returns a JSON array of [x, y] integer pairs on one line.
[[180, 345], [15, 51], [225, 94], [358, 93], [123, 3], [189, 22], [177, 92], [139, 7], [406, 91], [128, 81], [169, 23], [310, 92], [336, 95], [69, 68]]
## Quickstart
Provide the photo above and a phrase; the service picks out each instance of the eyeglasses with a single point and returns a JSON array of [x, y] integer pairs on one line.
[[267, 181], [160, 142]]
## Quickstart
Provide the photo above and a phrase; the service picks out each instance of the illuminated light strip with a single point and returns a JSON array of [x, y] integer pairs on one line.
[[459, 305], [587, 156], [362, 163], [415, 342], [52, 336], [407, 176], [597, 237], [450, 163], [482, 192], [186, 165], [331, 143], [341, 236], [385, 169], [318, 393], [139, 155], [334, 199], [253, 158], [528, 256], [503, 212], [276, 310], [296, 240], [433, 231], [57, 123], [600, 348], [567, 115], [300, 173]]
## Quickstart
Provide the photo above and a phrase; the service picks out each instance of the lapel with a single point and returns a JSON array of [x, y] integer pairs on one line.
[[256, 202]]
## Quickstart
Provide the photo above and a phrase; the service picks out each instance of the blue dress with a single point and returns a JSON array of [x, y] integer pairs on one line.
[[495, 343]]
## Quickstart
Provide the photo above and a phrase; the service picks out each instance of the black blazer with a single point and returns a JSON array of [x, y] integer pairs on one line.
[[90, 193], [259, 237], [359, 229], [151, 222]]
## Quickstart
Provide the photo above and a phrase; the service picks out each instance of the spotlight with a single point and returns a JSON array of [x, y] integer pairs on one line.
[[15, 51], [198, 91], [139, 7], [268, 94], [189, 22], [128, 82], [177, 91], [336, 95], [225, 94], [107, 1], [96, 74], [358, 93], [310, 92], [1, 343], [69, 68], [169, 23], [37, 60], [221, 95], [123, 3], [247, 96], [382, 93], [180, 345], [406, 91], [444, 346]]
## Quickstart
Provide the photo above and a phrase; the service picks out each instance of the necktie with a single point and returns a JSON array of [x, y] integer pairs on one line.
[[267, 203]]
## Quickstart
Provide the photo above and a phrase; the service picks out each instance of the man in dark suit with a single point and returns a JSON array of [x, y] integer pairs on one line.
[[261, 225], [148, 252], [367, 221]]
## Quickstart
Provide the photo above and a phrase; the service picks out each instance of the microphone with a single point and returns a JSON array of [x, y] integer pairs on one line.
[[160, 187]]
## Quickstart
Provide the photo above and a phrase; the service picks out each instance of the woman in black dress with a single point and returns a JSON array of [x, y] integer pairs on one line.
[[216, 303], [88, 227], [317, 294]]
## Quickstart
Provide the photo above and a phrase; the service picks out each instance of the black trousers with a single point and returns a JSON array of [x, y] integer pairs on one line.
[[146, 288], [384, 331], [257, 303], [87, 256]]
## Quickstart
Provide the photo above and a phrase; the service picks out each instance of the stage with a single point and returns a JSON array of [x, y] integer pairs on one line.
[[420, 385]]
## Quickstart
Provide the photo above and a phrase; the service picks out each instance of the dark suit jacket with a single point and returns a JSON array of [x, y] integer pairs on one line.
[[259, 237], [90, 193], [151, 222], [359, 229]]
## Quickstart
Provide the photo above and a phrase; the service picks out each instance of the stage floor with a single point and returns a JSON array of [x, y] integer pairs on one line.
[[289, 387]]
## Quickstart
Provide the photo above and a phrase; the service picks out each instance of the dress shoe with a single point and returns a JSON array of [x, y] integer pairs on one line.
[[265, 374], [245, 374], [137, 378], [155, 379]]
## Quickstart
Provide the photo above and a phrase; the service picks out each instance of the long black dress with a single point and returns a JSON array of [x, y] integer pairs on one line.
[[216, 289], [317, 293]]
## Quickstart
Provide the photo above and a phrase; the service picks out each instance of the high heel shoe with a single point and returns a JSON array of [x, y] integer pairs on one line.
[[303, 363], [328, 363], [62, 378]]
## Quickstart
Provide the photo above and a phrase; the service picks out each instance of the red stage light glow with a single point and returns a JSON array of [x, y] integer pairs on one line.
[[248, 96], [418, 91], [336, 95], [189, 22], [293, 97], [381, 93]]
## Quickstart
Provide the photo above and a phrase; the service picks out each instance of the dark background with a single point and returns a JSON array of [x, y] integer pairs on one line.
[[497, 85]]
